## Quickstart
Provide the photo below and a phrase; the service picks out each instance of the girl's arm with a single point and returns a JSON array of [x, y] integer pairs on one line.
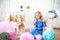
[[44, 26], [34, 24]]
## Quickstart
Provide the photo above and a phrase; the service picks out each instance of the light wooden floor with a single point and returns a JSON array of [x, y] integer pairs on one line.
[[57, 31]]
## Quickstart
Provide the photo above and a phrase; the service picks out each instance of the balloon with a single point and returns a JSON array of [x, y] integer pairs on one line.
[[26, 36], [38, 37], [5, 26], [49, 35], [5, 36], [12, 34]]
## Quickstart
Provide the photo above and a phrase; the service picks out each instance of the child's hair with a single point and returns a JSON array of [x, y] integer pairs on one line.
[[35, 19], [38, 12]]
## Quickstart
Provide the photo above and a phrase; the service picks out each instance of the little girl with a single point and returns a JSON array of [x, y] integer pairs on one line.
[[39, 24]]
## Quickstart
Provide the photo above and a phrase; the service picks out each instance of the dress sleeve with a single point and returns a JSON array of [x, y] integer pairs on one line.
[[35, 23], [44, 24]]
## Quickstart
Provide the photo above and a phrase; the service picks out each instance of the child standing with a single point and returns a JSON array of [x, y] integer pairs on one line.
[[39, 24]]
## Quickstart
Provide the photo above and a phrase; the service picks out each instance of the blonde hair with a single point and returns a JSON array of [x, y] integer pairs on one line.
[[38, 12], [35, 19]]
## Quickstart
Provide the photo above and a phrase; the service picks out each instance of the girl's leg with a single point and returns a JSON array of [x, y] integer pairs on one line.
[[34, 38]]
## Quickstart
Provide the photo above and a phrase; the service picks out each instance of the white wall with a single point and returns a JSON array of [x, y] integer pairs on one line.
[[35, 5], [4, 9], [57, 7]]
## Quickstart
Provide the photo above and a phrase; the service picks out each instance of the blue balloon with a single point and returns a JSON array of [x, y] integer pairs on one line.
[[49, 35]]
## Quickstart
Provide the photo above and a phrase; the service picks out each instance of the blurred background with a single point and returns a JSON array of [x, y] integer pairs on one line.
[[28, 8], [8, 7]]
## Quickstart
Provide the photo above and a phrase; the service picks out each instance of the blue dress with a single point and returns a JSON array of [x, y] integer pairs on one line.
[[39, 27]]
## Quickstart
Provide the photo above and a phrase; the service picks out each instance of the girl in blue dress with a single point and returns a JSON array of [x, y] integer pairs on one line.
[[39, 24]]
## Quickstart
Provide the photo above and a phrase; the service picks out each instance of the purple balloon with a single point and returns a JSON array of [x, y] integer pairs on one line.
[[26, 36], [5, 26]]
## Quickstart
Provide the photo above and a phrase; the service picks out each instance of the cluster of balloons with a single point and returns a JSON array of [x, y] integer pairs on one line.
[[29, 36], [47, 35], [7, 27]]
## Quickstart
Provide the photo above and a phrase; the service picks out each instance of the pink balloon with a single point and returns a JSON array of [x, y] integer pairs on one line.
[[5, 26], [26, 36], [38, 37], [12, 34]]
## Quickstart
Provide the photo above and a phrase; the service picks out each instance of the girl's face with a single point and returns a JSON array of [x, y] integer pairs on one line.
[[38, 16]]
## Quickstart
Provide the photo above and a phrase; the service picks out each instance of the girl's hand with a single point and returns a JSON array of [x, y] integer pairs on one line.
[[45, 19]]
